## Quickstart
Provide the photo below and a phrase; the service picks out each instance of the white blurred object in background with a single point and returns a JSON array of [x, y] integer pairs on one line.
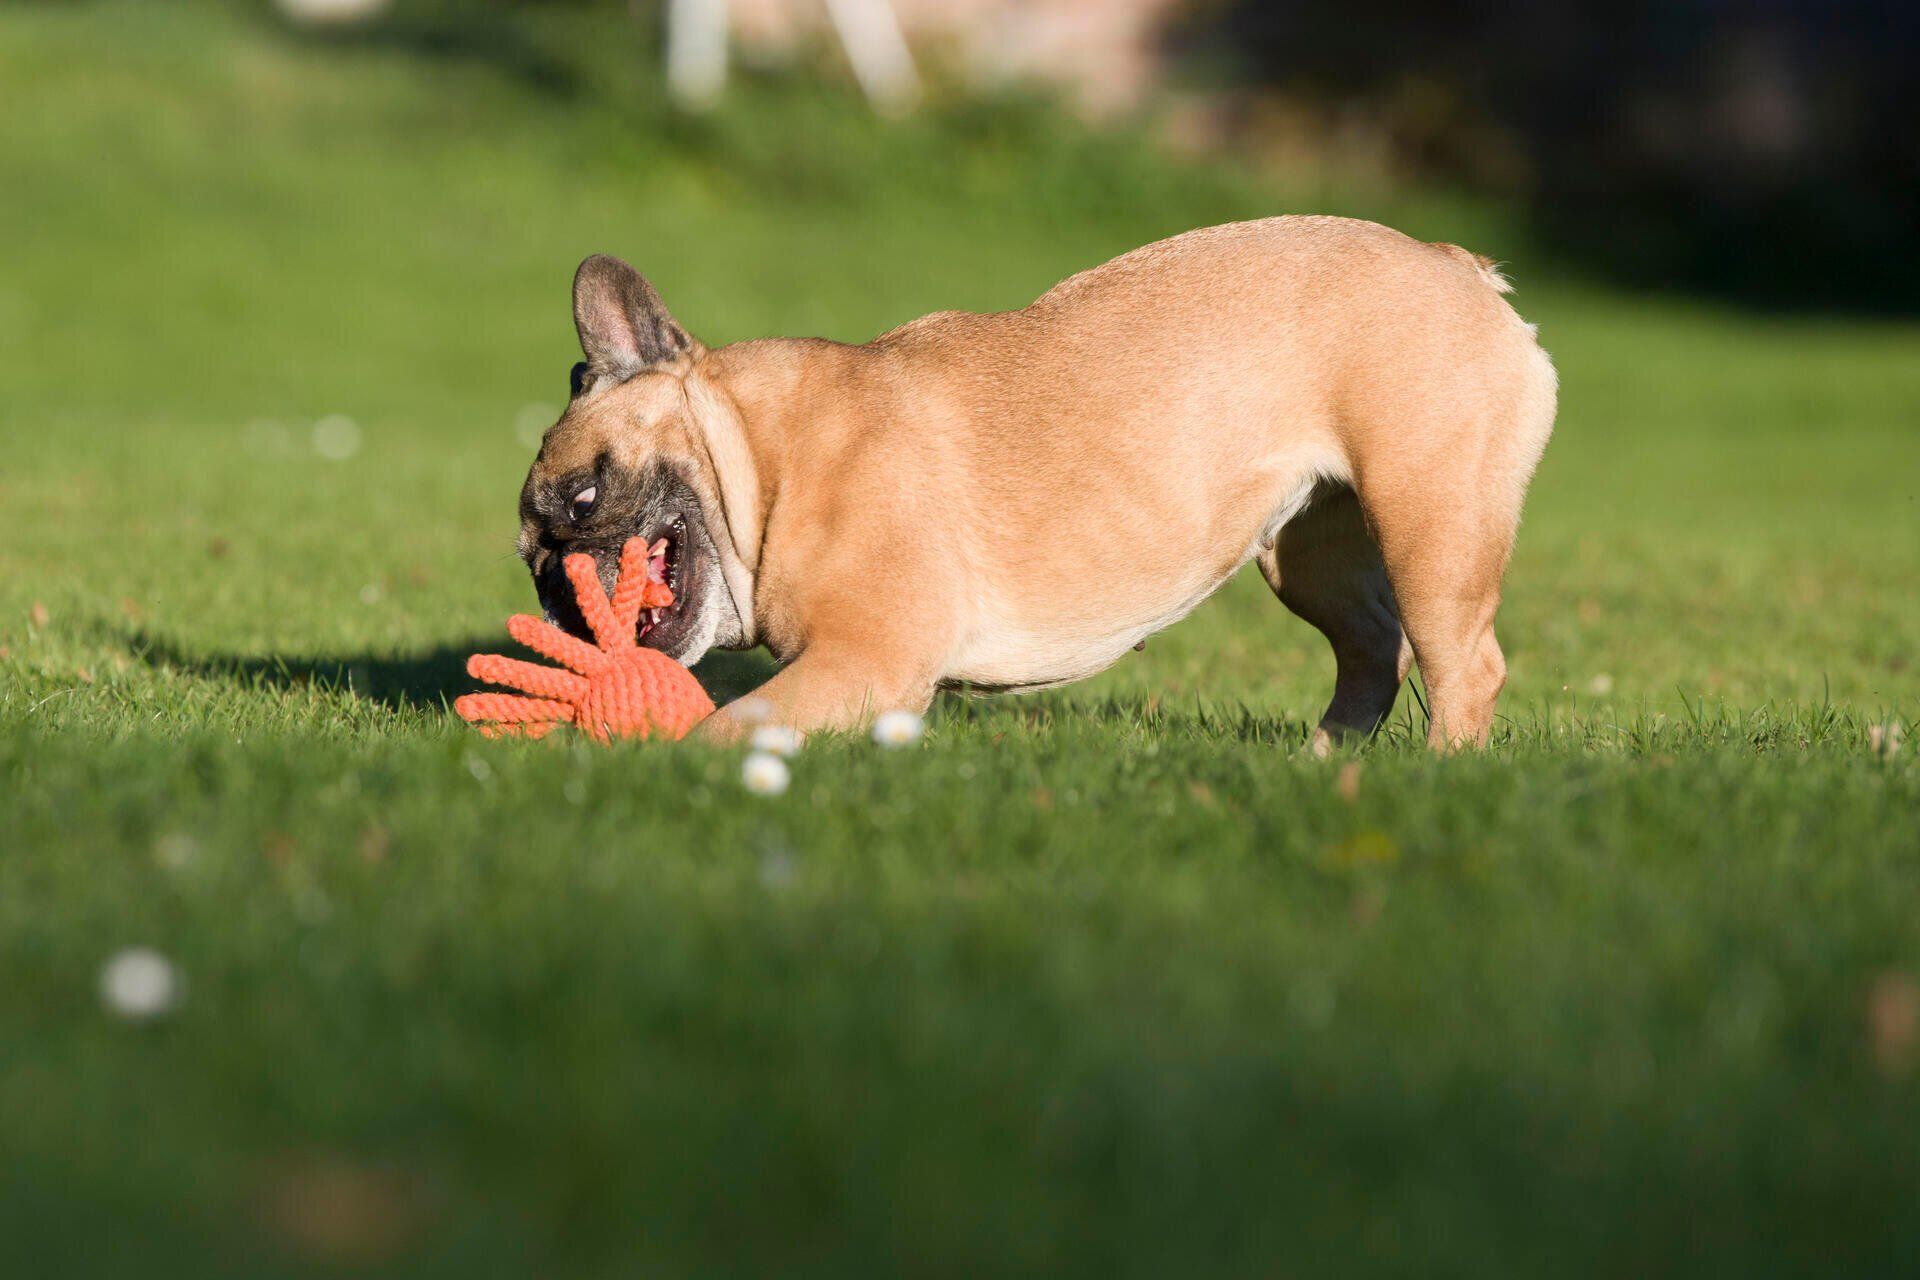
[[697, 33], [327, 12], [878, 51], [1106, 53], [696, 51]]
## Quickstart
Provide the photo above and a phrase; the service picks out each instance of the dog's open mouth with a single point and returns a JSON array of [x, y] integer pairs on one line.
[[667, 562], [678, 552]]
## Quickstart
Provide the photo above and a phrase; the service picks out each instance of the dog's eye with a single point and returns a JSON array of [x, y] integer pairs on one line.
[[582, 505]]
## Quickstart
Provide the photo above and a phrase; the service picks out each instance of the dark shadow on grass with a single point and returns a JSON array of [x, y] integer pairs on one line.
[[429, 679], [732, 675]]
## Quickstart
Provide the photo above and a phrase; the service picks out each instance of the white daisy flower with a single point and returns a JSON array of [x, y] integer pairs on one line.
[[139, 984], [765, 774], [898, 729], [776, 739]]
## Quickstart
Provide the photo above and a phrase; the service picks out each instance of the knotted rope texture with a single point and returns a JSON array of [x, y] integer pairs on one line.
[[615, 690]]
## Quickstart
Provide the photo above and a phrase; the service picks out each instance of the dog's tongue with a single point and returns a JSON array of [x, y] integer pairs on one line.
[[657, 594]]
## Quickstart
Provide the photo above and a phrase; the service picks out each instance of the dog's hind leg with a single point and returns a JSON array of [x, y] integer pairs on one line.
[[1445, 515], [1325, 566], [1447, 583], [1445, 540]]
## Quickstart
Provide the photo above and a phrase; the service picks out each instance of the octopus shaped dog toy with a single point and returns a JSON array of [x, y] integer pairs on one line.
[[617, 690]]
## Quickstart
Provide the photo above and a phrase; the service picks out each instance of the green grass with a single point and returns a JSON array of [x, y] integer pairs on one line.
[[1113, 981]]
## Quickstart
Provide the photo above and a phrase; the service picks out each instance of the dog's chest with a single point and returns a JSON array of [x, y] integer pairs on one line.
[[1011, 661], [1037, 647]]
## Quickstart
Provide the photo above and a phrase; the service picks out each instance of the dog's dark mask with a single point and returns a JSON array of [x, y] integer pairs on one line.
[[653, 504]]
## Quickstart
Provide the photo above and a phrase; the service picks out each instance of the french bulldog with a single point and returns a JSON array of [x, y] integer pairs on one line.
[[1014, 500]]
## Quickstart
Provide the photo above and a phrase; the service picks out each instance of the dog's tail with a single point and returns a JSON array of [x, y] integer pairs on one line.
[[1488, 269]]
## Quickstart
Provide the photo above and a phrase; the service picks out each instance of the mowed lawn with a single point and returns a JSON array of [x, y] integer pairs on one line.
[[1114, 981]]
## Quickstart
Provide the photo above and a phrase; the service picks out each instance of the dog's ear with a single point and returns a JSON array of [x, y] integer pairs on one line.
[[624, 327]]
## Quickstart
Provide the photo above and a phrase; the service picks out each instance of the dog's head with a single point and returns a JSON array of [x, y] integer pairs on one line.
[[627, 459]]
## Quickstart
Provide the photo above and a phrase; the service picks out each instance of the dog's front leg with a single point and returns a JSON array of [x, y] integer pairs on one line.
[[829, 686]]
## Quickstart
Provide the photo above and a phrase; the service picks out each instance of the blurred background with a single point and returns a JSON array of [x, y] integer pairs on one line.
[[1760, 149]]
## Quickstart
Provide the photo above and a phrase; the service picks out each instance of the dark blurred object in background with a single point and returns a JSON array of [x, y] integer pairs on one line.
[[1764, 149], [1759, 149]]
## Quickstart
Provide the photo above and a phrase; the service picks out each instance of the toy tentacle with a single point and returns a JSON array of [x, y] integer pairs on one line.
[[510, 709], [635, 590], [550, 641], [594, 603], [527, 677]]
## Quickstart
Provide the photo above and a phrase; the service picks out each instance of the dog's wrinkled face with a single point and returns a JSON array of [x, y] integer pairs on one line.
[[625, 461]]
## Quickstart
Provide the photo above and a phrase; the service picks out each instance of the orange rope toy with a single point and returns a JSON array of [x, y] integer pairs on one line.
[[618, 690]]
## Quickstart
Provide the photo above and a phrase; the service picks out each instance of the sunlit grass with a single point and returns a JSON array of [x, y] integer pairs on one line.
[[1118, 980]]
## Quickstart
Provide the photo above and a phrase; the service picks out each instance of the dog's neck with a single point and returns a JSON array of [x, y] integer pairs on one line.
[[754, 402], [781, 395]]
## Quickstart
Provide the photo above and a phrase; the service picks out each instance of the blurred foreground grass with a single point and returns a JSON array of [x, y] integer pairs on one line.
[[1109, 981]]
